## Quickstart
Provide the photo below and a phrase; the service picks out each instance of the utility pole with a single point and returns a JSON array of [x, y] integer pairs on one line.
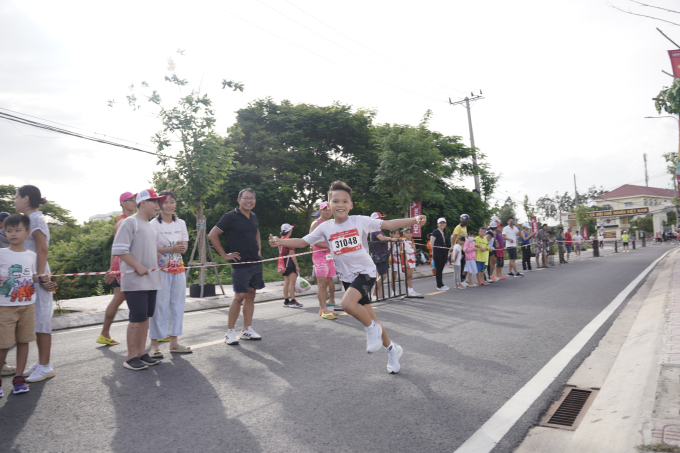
[[644, 156], [467, 100], [575, 192]]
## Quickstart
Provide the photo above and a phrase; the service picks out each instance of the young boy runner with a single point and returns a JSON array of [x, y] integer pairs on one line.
[[135, 244], [18, 267], [347, 236]]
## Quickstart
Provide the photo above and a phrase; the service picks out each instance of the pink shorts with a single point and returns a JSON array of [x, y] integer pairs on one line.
[[323, 267]]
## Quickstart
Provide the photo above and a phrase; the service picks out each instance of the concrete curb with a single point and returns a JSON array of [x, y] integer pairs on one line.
[[73, 320]]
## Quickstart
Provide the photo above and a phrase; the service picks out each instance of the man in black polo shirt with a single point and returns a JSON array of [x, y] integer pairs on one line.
[[243, 236]]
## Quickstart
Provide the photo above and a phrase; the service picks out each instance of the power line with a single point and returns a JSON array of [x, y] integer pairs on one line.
[[319, 55], [72, 127], [373, 51], [346, 49]]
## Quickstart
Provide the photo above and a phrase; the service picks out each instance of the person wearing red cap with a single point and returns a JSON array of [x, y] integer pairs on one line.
[[324, 265], [135, 244], [292, 270], [129, 206]]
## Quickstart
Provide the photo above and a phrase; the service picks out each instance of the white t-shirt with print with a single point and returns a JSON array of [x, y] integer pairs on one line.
[[16, 277], [169, 234], [457, 249], [511, 236], [349, 244], [577, 239]]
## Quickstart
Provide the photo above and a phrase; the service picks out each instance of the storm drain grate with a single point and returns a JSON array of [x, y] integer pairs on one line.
[[569, 410]]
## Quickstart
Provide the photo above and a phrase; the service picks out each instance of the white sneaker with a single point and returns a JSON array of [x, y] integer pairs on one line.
[[250, 334], [412, 292], [440, 289], [230, 337], [393, 366], [373, 337], [446, 288], [32, 368], [41, 373]]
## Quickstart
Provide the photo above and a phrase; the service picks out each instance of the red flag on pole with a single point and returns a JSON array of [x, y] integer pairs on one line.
[[416, 211], [675, 61], [534, 225], [585, 232]]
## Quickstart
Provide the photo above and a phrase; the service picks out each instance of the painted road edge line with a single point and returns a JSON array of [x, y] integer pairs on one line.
[[491, 432]]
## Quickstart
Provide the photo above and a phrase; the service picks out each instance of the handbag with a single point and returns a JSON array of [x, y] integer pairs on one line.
[[281, 267]]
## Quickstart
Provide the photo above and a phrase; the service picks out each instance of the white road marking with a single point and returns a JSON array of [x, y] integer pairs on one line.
[[491, 432]]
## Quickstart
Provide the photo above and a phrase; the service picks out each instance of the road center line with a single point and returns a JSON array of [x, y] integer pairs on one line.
[[491, 432]]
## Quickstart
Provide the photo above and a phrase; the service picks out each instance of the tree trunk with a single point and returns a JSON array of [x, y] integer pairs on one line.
[[200, 237]]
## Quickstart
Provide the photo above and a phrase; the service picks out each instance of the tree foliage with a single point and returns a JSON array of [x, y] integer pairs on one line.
[[507, 211], [56, 215]]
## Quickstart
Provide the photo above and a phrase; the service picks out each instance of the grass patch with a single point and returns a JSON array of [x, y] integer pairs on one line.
[[659, 448], [61, 311]]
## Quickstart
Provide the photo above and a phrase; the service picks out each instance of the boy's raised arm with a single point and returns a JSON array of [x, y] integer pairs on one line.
[[295, 243], [402, 223]]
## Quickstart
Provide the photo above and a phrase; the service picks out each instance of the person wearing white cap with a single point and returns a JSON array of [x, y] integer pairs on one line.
[[290, 269], [525, 239], [135, 244], [439, 252]]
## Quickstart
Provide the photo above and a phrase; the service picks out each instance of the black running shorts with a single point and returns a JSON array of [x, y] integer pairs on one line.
[[500, 261], [364, 284], [512, 253]]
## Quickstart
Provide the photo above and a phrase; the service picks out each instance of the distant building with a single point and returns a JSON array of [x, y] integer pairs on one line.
[[626, 203], [105, 217]]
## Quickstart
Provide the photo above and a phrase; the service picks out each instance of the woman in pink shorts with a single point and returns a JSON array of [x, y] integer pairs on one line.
[[324, 266]]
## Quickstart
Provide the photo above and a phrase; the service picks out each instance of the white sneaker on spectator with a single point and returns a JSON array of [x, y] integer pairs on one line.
[[41, 372], [445, 288], [250, 334], [373, 337], [395, 354], [31, 368], [230, 337]]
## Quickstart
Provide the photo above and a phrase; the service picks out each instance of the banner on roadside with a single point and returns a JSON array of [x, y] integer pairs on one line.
[[675, 61], [585, 232], [416, 211], [534, 225]]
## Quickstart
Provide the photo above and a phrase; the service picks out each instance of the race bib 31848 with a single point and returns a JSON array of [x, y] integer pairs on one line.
[[345, 242]]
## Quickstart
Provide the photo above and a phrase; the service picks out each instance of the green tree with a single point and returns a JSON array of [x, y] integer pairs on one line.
[[507, 211], [292, 152], [56, 215], [547, 207], [414, 159], [528, 208]]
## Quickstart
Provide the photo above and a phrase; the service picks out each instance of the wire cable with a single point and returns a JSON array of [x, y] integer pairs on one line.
[[373, 51], [350, 51], [321, 56]]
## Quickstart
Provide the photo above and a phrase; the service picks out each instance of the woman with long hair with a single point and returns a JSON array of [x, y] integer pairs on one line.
[[27, 201], [172, 239]]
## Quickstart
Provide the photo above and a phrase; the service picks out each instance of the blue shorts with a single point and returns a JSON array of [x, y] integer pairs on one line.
[[568, 248], [246, 276], [481, 267]]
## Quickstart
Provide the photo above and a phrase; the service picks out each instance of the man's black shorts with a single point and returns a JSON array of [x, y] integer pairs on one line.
[[364, 284], [141, 304], [500, 260], [246, 276], [625, 244], [512, 253], [115, 284]]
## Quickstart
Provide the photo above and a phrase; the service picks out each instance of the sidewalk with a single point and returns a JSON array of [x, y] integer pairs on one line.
[[636, 368], [89, 311]]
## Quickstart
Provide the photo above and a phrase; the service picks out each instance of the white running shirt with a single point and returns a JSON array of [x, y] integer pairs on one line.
[[349, 244]]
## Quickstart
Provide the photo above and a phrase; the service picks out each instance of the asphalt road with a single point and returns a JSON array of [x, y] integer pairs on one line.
[[309, 385]]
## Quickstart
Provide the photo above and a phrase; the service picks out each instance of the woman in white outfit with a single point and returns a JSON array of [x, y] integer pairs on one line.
[[171, 239], [27, 201]]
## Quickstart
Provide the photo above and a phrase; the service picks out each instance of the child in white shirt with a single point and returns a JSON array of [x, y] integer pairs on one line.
[[456, 257]]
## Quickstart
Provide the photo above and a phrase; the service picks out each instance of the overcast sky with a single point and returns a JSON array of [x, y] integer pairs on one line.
[[567, 84]]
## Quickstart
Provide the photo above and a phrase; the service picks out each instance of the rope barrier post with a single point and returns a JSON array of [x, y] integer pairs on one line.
[[616, 246], [633, 244], [596, 248], [643, 241]]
